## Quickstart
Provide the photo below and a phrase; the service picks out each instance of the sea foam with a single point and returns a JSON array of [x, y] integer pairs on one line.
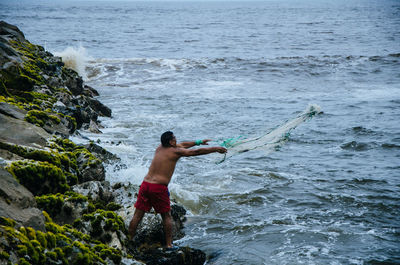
[[75, 58]]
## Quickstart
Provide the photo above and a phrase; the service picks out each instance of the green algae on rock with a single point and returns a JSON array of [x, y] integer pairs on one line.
[[35, 80], [59, 245], [67, 208], [63, 158], [39, 177]]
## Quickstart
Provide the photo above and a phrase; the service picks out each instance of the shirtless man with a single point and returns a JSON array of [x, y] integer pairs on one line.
[[153, 191]]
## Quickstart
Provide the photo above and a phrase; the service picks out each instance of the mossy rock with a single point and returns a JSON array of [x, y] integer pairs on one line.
[[88, 166], [39, 177], [7, 221], [101, 224], [76, 163], [40, 118], [59, 245], [64, 208], [12, 81]]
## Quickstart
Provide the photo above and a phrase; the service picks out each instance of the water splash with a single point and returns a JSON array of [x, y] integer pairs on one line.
[[75, 58]]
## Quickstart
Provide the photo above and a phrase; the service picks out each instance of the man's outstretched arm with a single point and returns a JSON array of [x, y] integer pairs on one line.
[[191, 144], [200, 151]]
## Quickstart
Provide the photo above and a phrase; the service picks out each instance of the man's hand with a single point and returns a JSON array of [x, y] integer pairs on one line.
[[221, 150], [205, 142]]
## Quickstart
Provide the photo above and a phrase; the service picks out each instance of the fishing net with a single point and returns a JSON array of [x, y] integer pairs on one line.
[[270, 141]]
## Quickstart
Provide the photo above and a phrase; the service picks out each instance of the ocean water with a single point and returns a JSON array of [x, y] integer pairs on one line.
[[329, 195]]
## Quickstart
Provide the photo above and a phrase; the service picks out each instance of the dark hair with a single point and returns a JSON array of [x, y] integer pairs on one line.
[[166, 137]]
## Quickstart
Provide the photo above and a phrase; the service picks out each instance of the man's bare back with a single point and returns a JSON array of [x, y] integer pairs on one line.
[[163, 165], [165, 158]]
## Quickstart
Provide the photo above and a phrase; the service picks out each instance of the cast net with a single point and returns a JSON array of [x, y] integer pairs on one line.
[[270, 141]]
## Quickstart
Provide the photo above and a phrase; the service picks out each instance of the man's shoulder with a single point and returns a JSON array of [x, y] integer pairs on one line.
[[169, 150]]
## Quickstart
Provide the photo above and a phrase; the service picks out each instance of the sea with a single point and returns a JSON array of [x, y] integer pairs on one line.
[[330, 194]]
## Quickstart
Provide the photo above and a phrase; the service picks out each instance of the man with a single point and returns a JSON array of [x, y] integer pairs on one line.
[[153, 191]]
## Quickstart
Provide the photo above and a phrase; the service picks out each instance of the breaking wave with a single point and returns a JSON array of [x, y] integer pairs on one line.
[[75, 58]]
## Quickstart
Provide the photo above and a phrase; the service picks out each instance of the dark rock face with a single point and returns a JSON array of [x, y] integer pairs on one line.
[[183, 255], [18, 203], [36, 80], [8, 29], [102, 153]]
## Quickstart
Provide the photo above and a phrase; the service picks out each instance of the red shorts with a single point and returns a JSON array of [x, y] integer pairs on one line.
[[153, 195]]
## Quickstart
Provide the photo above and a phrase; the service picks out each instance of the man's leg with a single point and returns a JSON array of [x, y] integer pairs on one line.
[[137, 217], [167, 222]]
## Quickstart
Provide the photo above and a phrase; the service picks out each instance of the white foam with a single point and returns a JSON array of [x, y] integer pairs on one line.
[[133, 174], [188, 198], [75, 58]]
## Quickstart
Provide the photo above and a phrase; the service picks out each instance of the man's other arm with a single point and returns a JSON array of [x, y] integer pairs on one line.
[[200, 151], [191, 144]]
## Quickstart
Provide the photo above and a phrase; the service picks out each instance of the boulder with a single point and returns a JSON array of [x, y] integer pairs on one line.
[[96, 190], [12, 111], [90, 91], [73, 81], [11, 31], [90, 169], [102, 153], [15, 131], [99, 107], [182, 256], [150, 231], [9, 156], [17, 203]]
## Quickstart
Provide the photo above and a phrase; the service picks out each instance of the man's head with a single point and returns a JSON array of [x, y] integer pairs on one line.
[[166, 139]]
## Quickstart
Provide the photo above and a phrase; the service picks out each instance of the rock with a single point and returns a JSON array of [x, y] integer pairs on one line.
[[90, 91], [89, 168], [6, 53], [126, 261], [96, 190], [63, 128], [60, 107], [11, 31], [150, 230], [99, 107], [63, 209], [73, 81], [18, 203], [115, 241], [12, 111], [19, 132], [182, 256], [93, 127], [105, 226], [37, 77], [102, 153], [9, 156]]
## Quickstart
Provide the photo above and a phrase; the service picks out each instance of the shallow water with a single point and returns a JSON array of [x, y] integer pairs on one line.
[[217, 70]]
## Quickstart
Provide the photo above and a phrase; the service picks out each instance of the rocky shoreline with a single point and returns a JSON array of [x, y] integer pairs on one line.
[[55, 205]]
